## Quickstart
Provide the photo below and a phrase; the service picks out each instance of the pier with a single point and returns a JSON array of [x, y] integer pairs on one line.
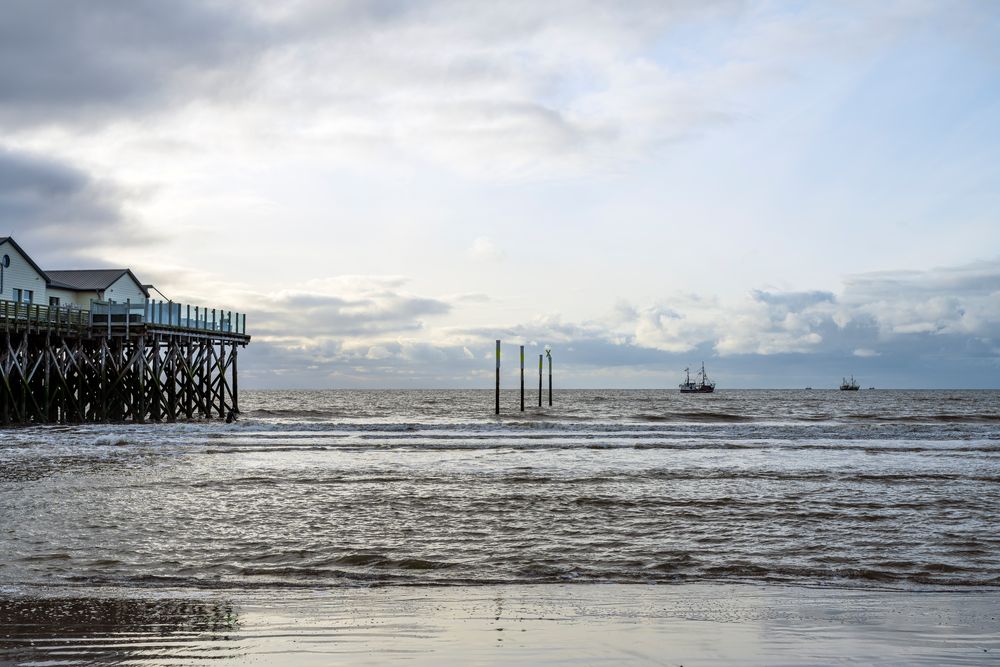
[[118, 362]]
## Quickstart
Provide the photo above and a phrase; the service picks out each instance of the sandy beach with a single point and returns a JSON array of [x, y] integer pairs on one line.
[[591, 624]]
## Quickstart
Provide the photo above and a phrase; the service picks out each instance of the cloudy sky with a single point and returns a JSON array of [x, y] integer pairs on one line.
[[791, 192]]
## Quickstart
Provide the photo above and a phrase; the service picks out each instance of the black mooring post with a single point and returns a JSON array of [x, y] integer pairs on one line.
[[548, 353], [522, 378], [539, 380], [498, 378]]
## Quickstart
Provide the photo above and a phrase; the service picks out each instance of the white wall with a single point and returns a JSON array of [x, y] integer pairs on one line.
[[21, 274], [68, 297], [124, 289]]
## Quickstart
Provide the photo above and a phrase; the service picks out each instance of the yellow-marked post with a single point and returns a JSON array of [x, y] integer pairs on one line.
[[522, 378], [498, 379]]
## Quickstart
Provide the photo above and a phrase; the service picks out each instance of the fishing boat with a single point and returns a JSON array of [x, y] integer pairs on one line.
[[849, 386], [703, 386]]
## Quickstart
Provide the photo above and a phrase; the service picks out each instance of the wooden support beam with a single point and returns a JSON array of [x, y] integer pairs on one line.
[[53, 370]]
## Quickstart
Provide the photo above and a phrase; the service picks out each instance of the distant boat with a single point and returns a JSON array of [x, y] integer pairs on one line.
[[703, 386], [849, 386], [808, 388]]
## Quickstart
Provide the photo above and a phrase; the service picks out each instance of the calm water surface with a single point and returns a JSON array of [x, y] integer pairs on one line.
[[870, 489]]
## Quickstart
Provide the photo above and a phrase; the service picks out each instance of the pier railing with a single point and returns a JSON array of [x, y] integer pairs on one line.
[[186, 316], [59, 318], [115, 315]]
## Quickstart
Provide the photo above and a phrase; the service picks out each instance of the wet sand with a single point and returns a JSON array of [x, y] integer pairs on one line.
[[592, 624]]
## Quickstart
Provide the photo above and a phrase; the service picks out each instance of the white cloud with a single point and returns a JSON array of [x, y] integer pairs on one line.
[[484, 248], [344, 307], [377, 352], [383, 340], [484, 88]]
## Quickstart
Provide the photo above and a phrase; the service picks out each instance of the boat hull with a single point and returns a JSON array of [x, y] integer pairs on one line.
[[697, 390]]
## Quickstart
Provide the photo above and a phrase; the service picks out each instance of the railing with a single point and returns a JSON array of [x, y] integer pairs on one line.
[[112, 315], [105, 313], [58, 317], [185, 316]]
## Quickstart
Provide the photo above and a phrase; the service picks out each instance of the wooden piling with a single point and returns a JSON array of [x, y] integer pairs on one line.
[[236, 380], [64, 366], [498, 379], [539, 380], [522, 378], [548, 353]]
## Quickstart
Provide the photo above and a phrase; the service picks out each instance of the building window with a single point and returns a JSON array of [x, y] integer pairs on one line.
[[54, 301], [23, 295]]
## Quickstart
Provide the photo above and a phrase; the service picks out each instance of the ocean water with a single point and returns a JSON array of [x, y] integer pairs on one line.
[[323, 490]]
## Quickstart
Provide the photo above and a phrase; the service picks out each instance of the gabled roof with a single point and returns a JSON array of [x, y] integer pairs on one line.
[[85, 280], [79, 280], [13, 243]]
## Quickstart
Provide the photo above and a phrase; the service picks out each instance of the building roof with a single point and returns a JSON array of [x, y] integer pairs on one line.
[[13, 243], [85, 280], [78, 280]]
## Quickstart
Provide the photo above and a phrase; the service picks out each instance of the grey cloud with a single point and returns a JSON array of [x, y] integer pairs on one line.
[[772, 339], [541, 331], [61, 62], [976, 278], [58, 58], [811, 343], [507, 86], [371, 309], [794, 301], [57, 211], [959, 299]]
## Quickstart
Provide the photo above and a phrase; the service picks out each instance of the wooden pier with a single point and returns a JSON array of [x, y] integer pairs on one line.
[[151, 361]]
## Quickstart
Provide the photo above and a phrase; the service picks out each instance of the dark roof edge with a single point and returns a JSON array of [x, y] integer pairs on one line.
[[121, 272], [142, 288], [10, 239], [49, 281]]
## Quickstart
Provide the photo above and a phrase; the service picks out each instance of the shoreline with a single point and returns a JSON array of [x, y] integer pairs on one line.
[[534, 624]]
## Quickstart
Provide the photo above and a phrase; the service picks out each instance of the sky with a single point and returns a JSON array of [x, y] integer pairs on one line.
[[789, 192]]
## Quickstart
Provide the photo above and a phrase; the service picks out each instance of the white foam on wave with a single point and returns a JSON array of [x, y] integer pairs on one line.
[[111, 441]]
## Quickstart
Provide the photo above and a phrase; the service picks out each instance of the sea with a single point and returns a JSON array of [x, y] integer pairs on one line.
[[325, 490]]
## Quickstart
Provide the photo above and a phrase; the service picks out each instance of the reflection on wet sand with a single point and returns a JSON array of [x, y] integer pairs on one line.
[[72, 631], [600, 624]]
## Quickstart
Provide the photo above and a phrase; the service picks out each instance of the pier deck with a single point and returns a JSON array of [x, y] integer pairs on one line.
[[152, 361]]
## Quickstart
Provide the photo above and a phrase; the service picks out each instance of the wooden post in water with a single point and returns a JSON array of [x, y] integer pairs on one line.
[[522, 378], [236, 380], [498, 378], [539, 380], [548, 353]]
